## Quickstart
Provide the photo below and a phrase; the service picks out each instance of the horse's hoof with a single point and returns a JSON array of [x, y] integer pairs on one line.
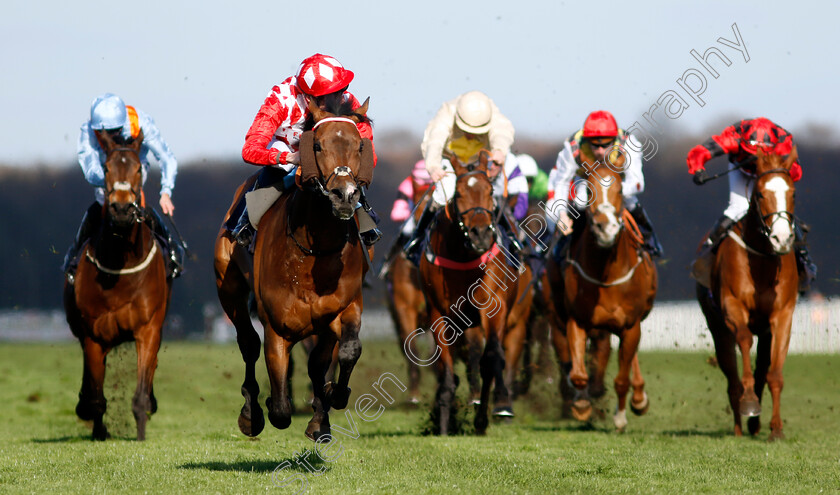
[[251, 424], [582, 410], [413, 401], [475, 402], [620, 421], [279, 420], [641, 408], [776, 435], [314, 431], [100, 433], [503, 412], [750, 408], [480, 424], [754, 425]]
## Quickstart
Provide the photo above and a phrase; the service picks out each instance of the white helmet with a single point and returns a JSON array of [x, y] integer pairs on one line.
[[473, 112], [527, 165], [107, 112]]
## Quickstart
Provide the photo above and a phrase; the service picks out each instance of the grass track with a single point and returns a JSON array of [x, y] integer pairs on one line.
[[683, 445]]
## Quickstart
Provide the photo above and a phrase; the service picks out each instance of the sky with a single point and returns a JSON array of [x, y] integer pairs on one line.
[[202, 69]]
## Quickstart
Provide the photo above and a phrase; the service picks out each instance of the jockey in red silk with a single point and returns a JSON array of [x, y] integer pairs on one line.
[[740, 141], [274, 136], [600, 133]]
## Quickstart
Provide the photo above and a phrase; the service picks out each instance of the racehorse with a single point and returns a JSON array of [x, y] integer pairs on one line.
[[606, 283], [406, 301], [466, 282], [753, 291], [307, 272], [121, 292]]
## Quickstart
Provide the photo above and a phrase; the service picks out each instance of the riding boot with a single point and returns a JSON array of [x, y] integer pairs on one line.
[[652, 244], [175, 263], [368, 221], [561, 247], [718, 232], [389, 258], [413, 247], [90, 223], [243, 233], [804, 264], [507, 227]]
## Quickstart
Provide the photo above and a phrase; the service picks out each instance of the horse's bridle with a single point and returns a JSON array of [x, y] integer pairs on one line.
[[320, 184], [460, 215], [787, 216], [137, 211]]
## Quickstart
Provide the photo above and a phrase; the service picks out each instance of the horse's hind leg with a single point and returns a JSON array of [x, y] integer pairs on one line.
[[762, 363], [626, 353], [148, 345], [513, 348], [599, 355], [233, 293], [92, 403], [640, 402], [349, 351], [320, 359]]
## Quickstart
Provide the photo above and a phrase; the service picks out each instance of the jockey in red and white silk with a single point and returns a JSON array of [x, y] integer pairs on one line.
[[740, 141]]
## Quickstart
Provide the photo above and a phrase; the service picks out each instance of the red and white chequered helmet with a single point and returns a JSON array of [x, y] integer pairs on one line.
[[321, 75]]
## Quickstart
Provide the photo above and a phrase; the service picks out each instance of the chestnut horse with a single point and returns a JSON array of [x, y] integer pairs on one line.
[[753, 293], [471, 290], [607, 283], [406, 301], [307, 273], [121, 292]]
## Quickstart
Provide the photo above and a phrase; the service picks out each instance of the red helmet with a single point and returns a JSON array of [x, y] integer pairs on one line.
[[600, 123], [763, 133], [321, 75]]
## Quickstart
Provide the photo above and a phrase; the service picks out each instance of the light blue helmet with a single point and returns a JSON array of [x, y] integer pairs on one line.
[[107, 112]]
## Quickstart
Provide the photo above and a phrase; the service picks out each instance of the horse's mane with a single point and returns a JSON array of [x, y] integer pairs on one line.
[[343, 108]]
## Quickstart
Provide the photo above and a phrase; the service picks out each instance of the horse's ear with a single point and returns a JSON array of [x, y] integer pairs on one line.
[[106, 141], [759, 152], [362, 110], [453, 160], [316, 111], [792, 157], [137, 142], [308, 165], [365, 174], [484, 161]]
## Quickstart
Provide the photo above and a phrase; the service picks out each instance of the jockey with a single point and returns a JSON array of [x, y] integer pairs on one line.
[[597, 137], [465, 126], [274, 136], [537, 179], [110, 114], [401, 212], [740, 141]]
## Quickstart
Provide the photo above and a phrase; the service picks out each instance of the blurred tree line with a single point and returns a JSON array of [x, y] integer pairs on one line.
[[43, 207]]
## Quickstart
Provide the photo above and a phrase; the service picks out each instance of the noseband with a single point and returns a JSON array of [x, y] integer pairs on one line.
[[460, 215], [137, 211], [785, 215]]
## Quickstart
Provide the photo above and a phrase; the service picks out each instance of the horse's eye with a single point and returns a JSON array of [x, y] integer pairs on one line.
[[361, 146], [317, 147]]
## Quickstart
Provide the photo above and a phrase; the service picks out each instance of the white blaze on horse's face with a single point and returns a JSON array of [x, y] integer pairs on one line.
[[781, 234], [606, 232]]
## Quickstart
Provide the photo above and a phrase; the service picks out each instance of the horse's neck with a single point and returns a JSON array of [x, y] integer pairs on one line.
[[311, 217], [115, 245], [751, 230], [448, 240], [599, 259]]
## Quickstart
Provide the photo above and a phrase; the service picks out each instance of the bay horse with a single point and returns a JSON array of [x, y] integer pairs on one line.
[[753, 292], [606, 284], [306, 275], [406, 301], [462, 259], [121, 292]]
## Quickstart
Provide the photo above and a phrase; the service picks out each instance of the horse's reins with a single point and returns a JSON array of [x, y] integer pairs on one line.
[[764, 228], [459, 215]]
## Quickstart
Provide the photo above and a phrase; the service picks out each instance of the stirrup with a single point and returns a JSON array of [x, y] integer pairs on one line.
[[371, 237]]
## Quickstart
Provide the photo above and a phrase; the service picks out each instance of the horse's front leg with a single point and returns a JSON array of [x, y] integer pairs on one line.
[[576, 337], [748, 404], [640, 402], [147, 343], [320, 364], [626, 354], [277, 358], [349, 351], [780, 324], [92, 403]]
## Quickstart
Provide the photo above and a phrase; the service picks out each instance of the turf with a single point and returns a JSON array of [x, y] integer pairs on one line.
[[683, 445]]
